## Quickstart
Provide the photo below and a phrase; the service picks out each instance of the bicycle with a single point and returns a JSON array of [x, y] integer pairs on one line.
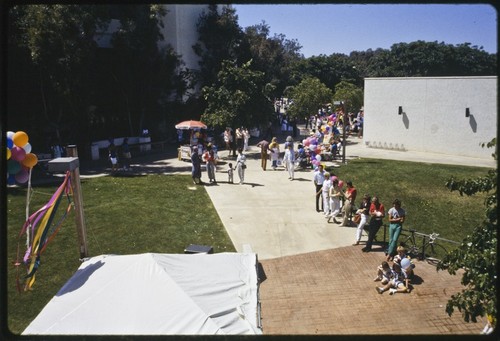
[[430, 250]]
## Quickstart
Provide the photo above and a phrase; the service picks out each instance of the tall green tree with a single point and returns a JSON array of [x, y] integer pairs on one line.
[[238, 98], [62, 50], [350, 94], [220, 38], [308, 96], [140, 74], [477, 254], [330, 70], [425, 59], [272, 55]]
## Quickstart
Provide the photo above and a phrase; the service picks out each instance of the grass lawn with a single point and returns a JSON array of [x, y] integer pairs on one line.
[[124, 215], [164, 214]]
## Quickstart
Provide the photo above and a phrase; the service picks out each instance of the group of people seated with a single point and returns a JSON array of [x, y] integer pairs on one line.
[[395, 278]]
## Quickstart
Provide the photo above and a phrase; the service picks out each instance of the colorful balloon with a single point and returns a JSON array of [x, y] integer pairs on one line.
[[27, 148], [10, 134], [341, 183], [10, 143], [22, 176], [30, 160], [318, 157], [18, 153], [13, 166], [20, 138], [9, 153]]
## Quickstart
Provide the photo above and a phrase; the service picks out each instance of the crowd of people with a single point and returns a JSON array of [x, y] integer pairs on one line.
[[336, 202]]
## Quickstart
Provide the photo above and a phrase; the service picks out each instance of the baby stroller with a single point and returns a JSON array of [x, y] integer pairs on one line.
[[302, 160]]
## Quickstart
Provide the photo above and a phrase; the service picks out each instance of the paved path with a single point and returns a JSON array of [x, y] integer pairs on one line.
[[315, 282], [277, 217]]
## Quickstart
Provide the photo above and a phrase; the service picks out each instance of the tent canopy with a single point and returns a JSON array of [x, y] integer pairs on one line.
[[156, 294]]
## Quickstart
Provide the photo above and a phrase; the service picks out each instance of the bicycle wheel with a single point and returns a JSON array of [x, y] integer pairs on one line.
[[411, 248], [434, 253]]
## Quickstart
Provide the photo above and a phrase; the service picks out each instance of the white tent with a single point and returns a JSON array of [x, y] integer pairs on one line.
[[156, 294]]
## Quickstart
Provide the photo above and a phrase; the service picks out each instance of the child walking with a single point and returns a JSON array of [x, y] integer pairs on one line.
[[230, 173]]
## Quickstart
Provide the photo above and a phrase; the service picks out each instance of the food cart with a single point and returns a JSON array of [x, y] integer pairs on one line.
[[184, 151]]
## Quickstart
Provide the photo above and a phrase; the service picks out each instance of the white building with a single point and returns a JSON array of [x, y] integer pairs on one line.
[[448, 115]]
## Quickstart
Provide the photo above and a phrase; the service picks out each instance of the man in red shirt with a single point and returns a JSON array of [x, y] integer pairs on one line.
[[377, 213]]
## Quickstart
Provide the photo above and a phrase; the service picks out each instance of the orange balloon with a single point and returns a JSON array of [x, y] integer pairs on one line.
[[9, 153], [30, 160], [20, 138]]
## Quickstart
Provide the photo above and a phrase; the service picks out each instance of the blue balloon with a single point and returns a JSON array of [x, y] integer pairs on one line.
[[10, 143]]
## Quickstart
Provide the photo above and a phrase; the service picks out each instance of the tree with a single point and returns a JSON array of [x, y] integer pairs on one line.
[[238, 98], [330, 70], [60, 43], [425, 59], [220, 38], [272, 55], [139, 73], [350, 94], [477, 254], [308, 97]]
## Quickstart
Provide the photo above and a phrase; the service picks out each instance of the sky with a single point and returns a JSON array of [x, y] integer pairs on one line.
[[332, 28]]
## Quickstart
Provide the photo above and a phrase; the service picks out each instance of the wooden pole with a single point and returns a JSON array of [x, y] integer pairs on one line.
[[78, 199]]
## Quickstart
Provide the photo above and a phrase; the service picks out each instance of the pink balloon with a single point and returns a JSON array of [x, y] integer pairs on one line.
[[341, 183], [333, 178], [18, 153], [22, 176]]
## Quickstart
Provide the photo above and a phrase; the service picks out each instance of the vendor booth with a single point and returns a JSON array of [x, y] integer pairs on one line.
[[194, 128]]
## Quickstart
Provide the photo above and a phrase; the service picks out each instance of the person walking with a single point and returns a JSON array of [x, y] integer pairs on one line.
[[113, 156], [377, 213], [325, 194], [228, 140], [319, 177], [335, 194], [363, 211], [241, 166], [264, 149], [246, 138], [239, 138], [397, 217], [209, 158], [274, 147], [196, 166], [289, 160]]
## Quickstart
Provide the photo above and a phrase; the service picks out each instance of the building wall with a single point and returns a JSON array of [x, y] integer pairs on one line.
[[433, 116], [180, 31]]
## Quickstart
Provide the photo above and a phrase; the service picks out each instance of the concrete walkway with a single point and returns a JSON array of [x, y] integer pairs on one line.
[[277, 217]]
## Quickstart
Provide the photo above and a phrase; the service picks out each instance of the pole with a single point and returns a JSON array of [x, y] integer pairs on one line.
[[78, 198], [344, 142]]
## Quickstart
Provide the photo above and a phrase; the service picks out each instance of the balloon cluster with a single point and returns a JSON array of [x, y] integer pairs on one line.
[[19, 157], [311, 143]]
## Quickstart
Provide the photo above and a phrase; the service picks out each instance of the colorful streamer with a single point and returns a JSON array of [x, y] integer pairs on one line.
[[41, 230]]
